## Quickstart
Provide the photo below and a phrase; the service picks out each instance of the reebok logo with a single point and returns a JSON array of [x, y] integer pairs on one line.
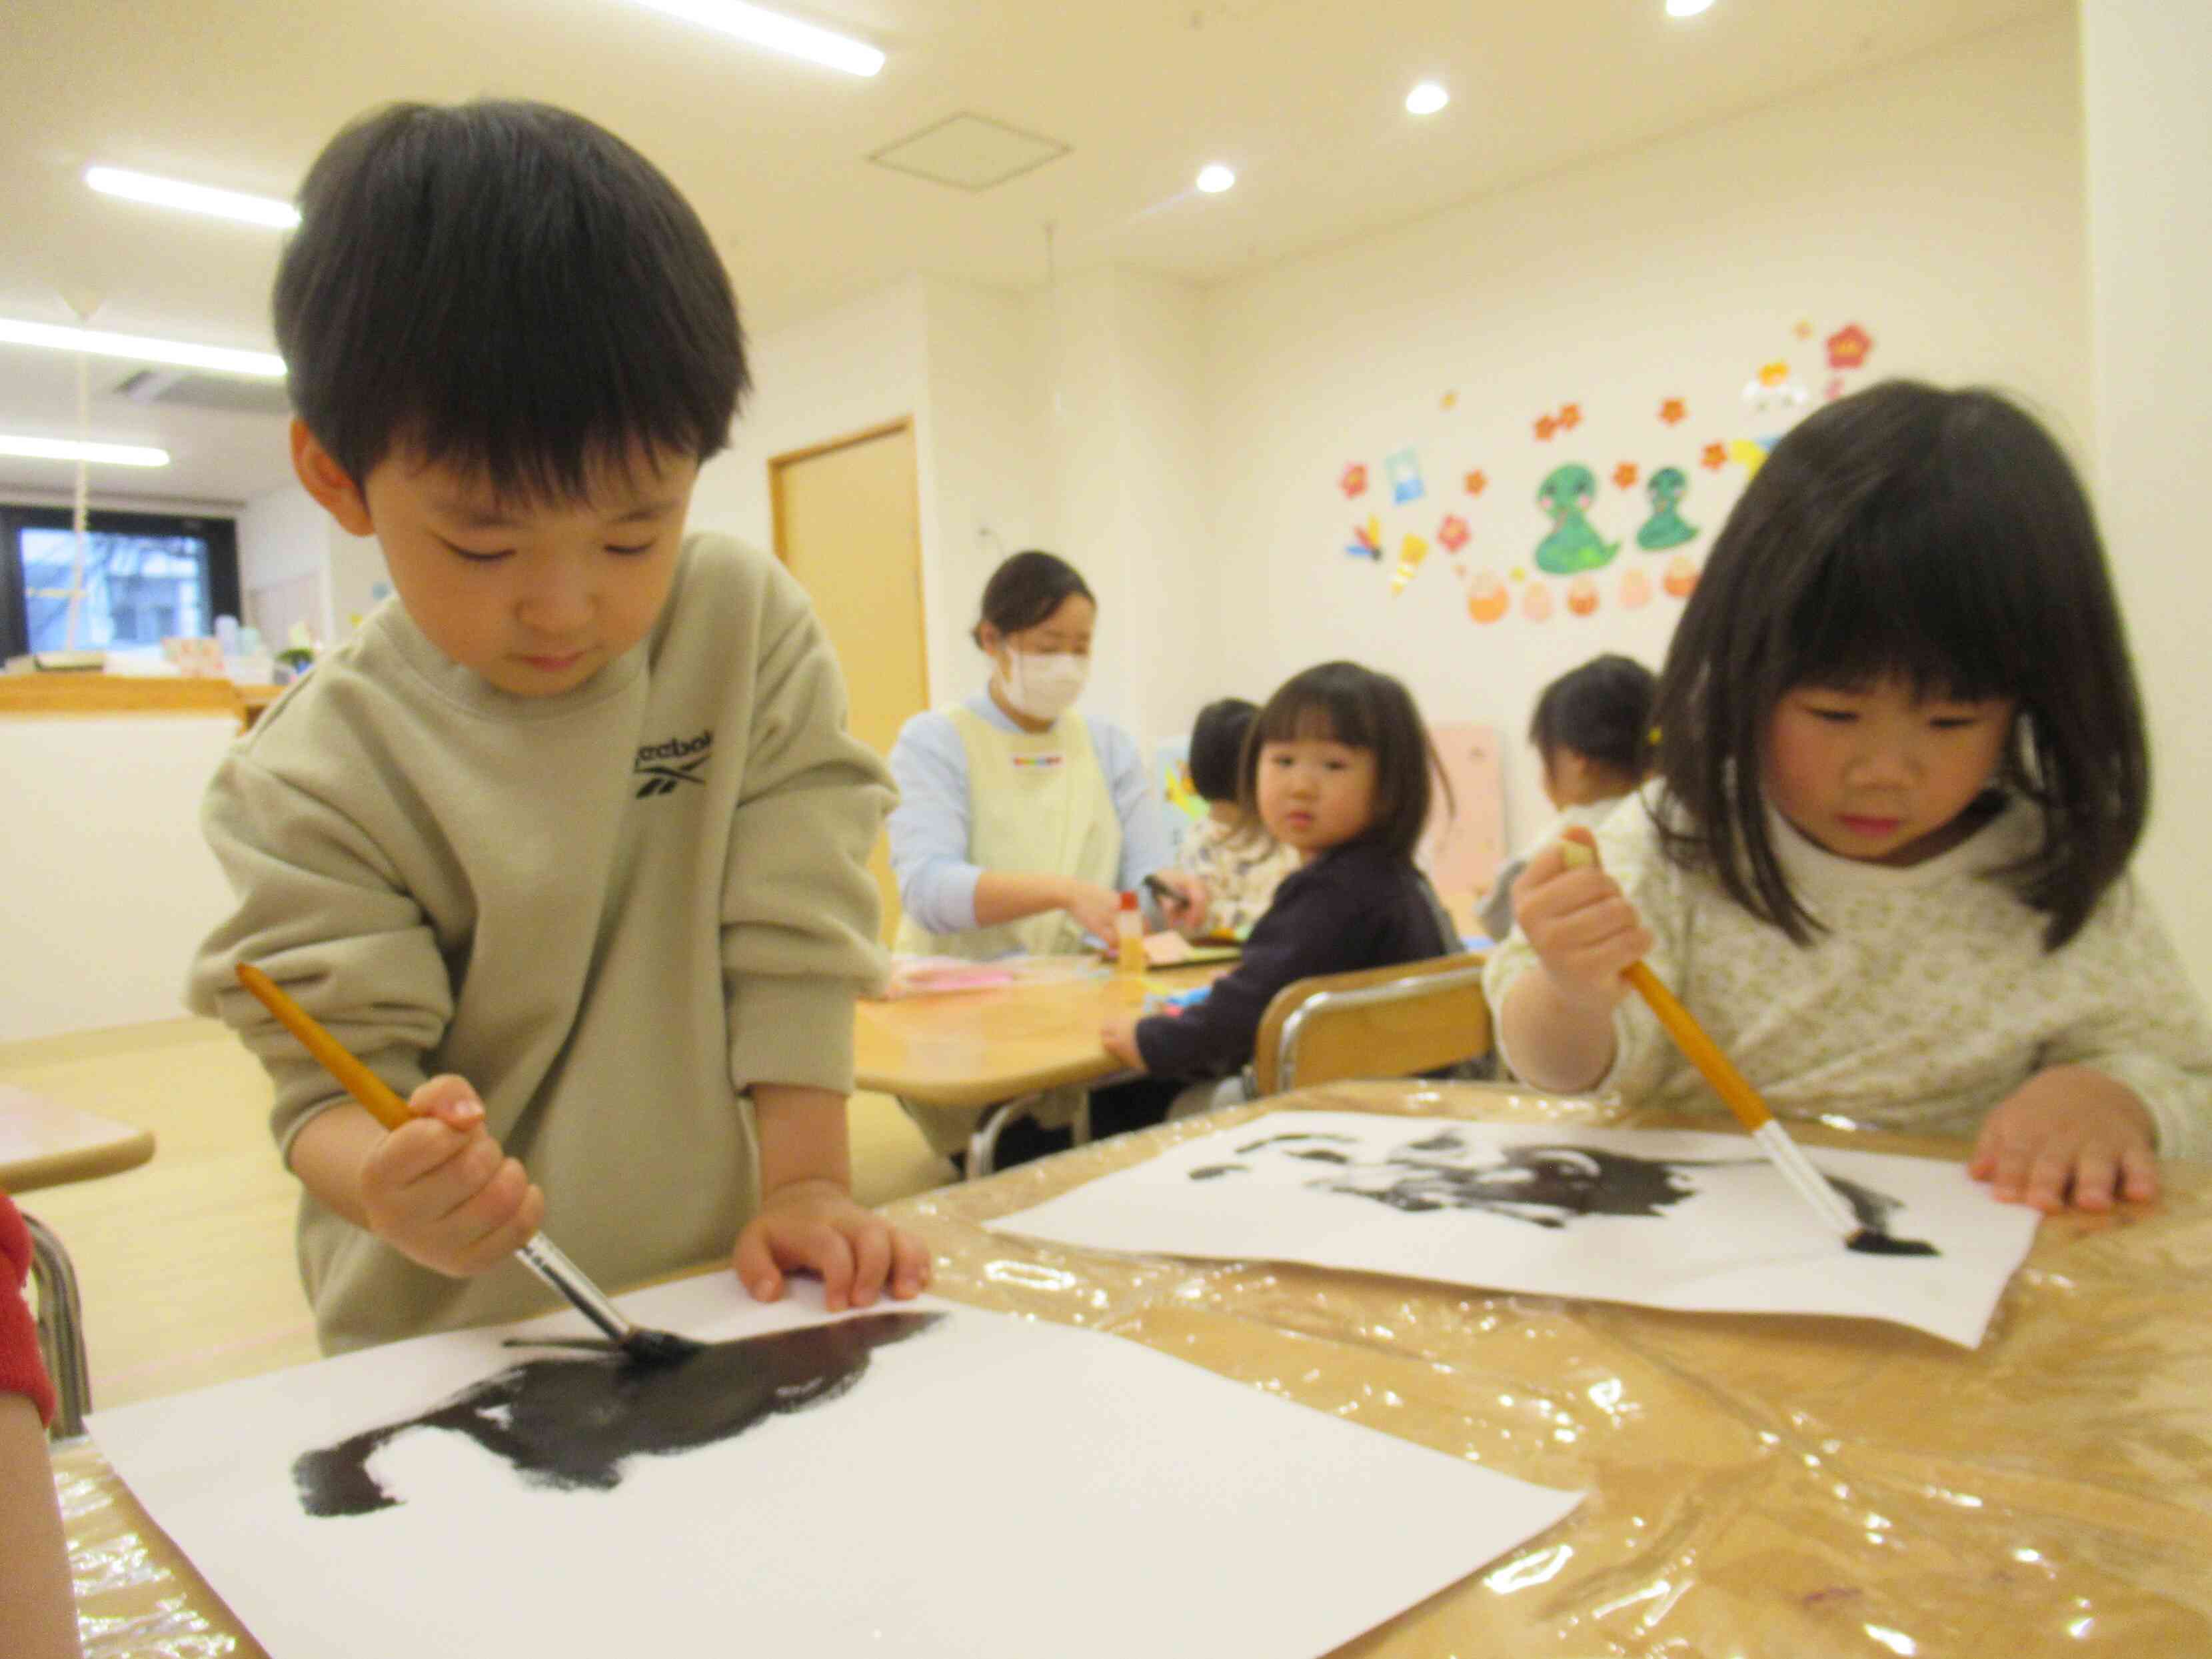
[[660, 767]]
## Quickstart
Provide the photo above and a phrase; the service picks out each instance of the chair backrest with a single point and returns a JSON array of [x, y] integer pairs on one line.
[[1399, 1020]]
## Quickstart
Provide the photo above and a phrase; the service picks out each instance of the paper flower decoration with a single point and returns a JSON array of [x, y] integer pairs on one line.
[[1545, 426], [1354, 484], [1848, 347], [1477, 482], [1571, 417], [1624, 475], [1713, 458], [1452, 532], [1673, 411]]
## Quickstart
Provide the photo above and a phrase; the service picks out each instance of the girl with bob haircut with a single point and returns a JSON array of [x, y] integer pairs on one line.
[[1901, 769], [1337, 767]]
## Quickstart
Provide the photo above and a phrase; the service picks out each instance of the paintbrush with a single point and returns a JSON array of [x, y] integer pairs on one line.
[[1740, 1098], [540, 1254]]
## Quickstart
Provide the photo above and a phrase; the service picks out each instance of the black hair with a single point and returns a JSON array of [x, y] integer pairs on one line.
[[1601, 710], [507, 288], [1027, 587], [1343, 703], [1942, 539], [1217, 745]]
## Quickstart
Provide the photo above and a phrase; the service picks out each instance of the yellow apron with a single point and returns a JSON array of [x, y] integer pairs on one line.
[[1037, 802]]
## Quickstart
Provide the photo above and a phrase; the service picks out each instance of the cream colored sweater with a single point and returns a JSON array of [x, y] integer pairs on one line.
[[613, 911], [1928, 1001]]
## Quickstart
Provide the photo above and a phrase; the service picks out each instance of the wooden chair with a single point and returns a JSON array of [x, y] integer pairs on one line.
[[1399, 1020]]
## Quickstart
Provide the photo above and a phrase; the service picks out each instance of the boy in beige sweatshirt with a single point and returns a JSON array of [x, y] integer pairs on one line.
[[573, 822]]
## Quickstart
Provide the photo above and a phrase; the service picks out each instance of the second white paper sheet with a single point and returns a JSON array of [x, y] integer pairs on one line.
[[1662, 1219], [918, 1479]]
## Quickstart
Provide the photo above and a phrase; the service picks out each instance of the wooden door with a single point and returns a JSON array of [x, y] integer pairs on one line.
[[848, 526]]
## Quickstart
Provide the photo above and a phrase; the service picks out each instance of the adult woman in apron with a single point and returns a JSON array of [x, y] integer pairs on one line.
[[1020, 822]]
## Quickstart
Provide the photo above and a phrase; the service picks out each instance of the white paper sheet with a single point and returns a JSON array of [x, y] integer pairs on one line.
[[1700, 1222], [983, 1485]]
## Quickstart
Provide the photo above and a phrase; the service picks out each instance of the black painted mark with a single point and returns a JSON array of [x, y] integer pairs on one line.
[[1211, 1171], [1547, 1185], [572, 1424]]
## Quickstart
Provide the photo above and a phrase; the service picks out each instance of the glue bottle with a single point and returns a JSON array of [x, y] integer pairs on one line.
[[1129, 933]]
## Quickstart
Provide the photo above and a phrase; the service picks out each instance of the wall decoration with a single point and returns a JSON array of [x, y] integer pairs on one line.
[[1476, 482], [1353, 481], [1582, 596], [1681, 576], [1452, 532], [1171, 771], [1405, 470], [1448, 401], [1669, 1218], [1803, 329], [1366, 541], [1624, 475], [1565, 496], [1750, 453], [1674, 411], [1713, 457], [1571, 417], [1547, 425], [1537, 602], [1488, 599], [1462, 847], [1665, 528], [769, 1504], [1411, 552], [1848, 346], [1634, 588]]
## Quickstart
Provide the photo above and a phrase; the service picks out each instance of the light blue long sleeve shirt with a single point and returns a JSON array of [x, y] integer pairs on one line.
[[929, 826]]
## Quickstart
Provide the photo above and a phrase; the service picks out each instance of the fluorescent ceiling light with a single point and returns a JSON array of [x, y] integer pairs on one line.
[[222, 360], [193, 198], [774, 31], [1687, 8], [1214, 178], [1427, 99], [57, 449]]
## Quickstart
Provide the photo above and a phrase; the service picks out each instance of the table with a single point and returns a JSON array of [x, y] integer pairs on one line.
[[990, 1051], [1759, 1486], [44, 1143]]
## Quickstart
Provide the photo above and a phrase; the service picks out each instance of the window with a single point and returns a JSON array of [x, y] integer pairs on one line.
[[147, 577]]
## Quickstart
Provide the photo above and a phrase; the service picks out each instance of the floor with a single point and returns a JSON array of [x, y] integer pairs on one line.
[[186, 1263]]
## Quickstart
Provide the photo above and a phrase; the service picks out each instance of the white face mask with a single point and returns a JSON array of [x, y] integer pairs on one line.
[[1043, 684]]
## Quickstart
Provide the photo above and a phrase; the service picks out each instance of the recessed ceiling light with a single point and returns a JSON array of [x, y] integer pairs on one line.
[[1215, 177], [762, 27], [193, 198], [223, 360], [1427, 99], [58, 449], [1687, 8]]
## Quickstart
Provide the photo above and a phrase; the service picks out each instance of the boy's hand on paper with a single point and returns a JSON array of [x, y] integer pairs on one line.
[[2070, 1130], [441, 1191], [1118, 1034], [1582, 927], [813, 1225]]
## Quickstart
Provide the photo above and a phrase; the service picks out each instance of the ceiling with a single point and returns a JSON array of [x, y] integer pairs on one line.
[[1303, 98]]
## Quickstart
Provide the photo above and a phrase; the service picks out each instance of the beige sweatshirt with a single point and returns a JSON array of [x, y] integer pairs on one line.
[[611, 910], [1929, 999]]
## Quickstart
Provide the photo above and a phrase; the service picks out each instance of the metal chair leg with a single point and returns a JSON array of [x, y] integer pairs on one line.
[[61, 1329], [983, 1143]]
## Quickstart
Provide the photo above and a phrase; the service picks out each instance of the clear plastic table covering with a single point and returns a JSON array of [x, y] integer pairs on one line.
[[1757, 1484]]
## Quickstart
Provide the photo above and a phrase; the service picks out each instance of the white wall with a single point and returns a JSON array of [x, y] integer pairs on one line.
[[2147, 77], [283, 536], [110, 888], [1939, 202]]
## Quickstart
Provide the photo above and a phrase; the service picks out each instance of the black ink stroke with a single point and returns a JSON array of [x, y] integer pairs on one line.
[[1546, 1186], [572, 1424]]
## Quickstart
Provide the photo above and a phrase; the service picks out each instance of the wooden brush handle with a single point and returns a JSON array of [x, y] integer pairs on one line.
[[1701, 1051], [383, 1103]]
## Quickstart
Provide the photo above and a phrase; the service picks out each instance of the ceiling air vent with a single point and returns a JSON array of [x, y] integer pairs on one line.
[[969, 152], [180, 388]]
